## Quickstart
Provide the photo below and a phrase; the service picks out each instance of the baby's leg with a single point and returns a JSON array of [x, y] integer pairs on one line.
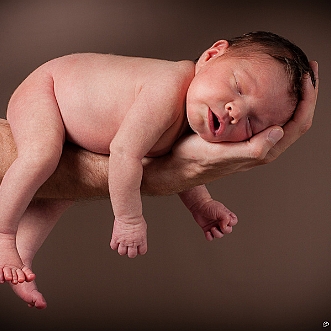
[[38, 132], [34, 227]]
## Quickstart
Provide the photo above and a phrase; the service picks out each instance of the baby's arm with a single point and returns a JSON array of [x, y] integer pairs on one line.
[[152, 114], [137, 135], [125, 174], [212, 216], [127, 149]]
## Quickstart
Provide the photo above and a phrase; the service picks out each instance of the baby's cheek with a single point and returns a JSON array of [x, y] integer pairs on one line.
[[236, 133]]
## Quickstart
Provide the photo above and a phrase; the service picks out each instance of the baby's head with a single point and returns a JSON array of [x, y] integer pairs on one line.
[[244, 85]]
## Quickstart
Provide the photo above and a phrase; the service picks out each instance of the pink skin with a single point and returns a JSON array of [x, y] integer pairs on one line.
[[34, 227], [214, 116], [10, 272], [232, 98], [214, 219], [122, 238], [212, 216], [29, 293], [228, 99]]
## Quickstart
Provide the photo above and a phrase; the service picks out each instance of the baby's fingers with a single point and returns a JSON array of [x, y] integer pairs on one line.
[[227, 226], [216, 233], [122, 249], [209, 236], [227, 229], [132, 252], [142, 249], [113, 245], [213, 233]]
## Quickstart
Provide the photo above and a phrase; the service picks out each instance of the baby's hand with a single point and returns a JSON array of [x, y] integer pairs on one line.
[[130, 238], [214, 219]]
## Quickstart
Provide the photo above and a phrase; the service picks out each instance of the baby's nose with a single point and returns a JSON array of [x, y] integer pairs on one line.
[[235, 113]]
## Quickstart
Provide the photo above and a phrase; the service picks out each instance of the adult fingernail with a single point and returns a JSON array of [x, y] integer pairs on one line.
[[275, 135]]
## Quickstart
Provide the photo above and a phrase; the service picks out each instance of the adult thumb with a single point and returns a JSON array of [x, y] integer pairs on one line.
[[275, 134], [263, 142]]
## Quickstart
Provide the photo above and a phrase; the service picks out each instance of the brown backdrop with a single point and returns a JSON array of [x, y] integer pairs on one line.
[[272, 273]]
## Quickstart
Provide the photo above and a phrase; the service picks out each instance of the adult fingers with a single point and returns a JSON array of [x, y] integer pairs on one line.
[[242, 154], [303, 116]]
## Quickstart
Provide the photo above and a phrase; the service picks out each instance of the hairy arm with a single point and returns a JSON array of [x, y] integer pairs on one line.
[[82, 175]]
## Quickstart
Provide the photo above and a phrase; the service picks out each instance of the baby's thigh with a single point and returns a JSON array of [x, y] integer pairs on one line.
[[33, 113]]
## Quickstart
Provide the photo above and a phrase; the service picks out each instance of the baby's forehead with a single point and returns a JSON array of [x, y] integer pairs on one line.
[[255, 65], [261, 71], [256, 58]]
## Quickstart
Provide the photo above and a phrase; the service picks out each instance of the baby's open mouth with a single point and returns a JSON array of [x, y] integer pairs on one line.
[[215, 124]]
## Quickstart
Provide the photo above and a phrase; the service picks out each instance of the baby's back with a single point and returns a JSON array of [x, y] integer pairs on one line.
[[95, 91]]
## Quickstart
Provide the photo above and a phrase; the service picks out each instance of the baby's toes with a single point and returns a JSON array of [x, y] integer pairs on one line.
[[18, 276], [29, 275], [7, 274]]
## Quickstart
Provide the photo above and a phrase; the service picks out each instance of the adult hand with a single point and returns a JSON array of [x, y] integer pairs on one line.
[[194, 161], [302, 118]]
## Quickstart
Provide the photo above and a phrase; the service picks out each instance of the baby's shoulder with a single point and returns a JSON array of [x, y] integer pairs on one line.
[[135, 67], [85, 60], [169, 75], [178, 71]]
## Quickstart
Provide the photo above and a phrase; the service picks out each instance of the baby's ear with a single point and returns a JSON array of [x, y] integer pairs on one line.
[[214, 51]]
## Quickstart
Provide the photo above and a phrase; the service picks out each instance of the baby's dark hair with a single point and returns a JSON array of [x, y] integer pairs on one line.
[[295, 61]]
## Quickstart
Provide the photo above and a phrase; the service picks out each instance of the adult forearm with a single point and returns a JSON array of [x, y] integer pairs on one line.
[[170, 175], [82, 175]]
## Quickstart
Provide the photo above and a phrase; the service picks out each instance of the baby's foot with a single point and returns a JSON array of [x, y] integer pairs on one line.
[[29, 293], [12, 268], [14, 274]]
